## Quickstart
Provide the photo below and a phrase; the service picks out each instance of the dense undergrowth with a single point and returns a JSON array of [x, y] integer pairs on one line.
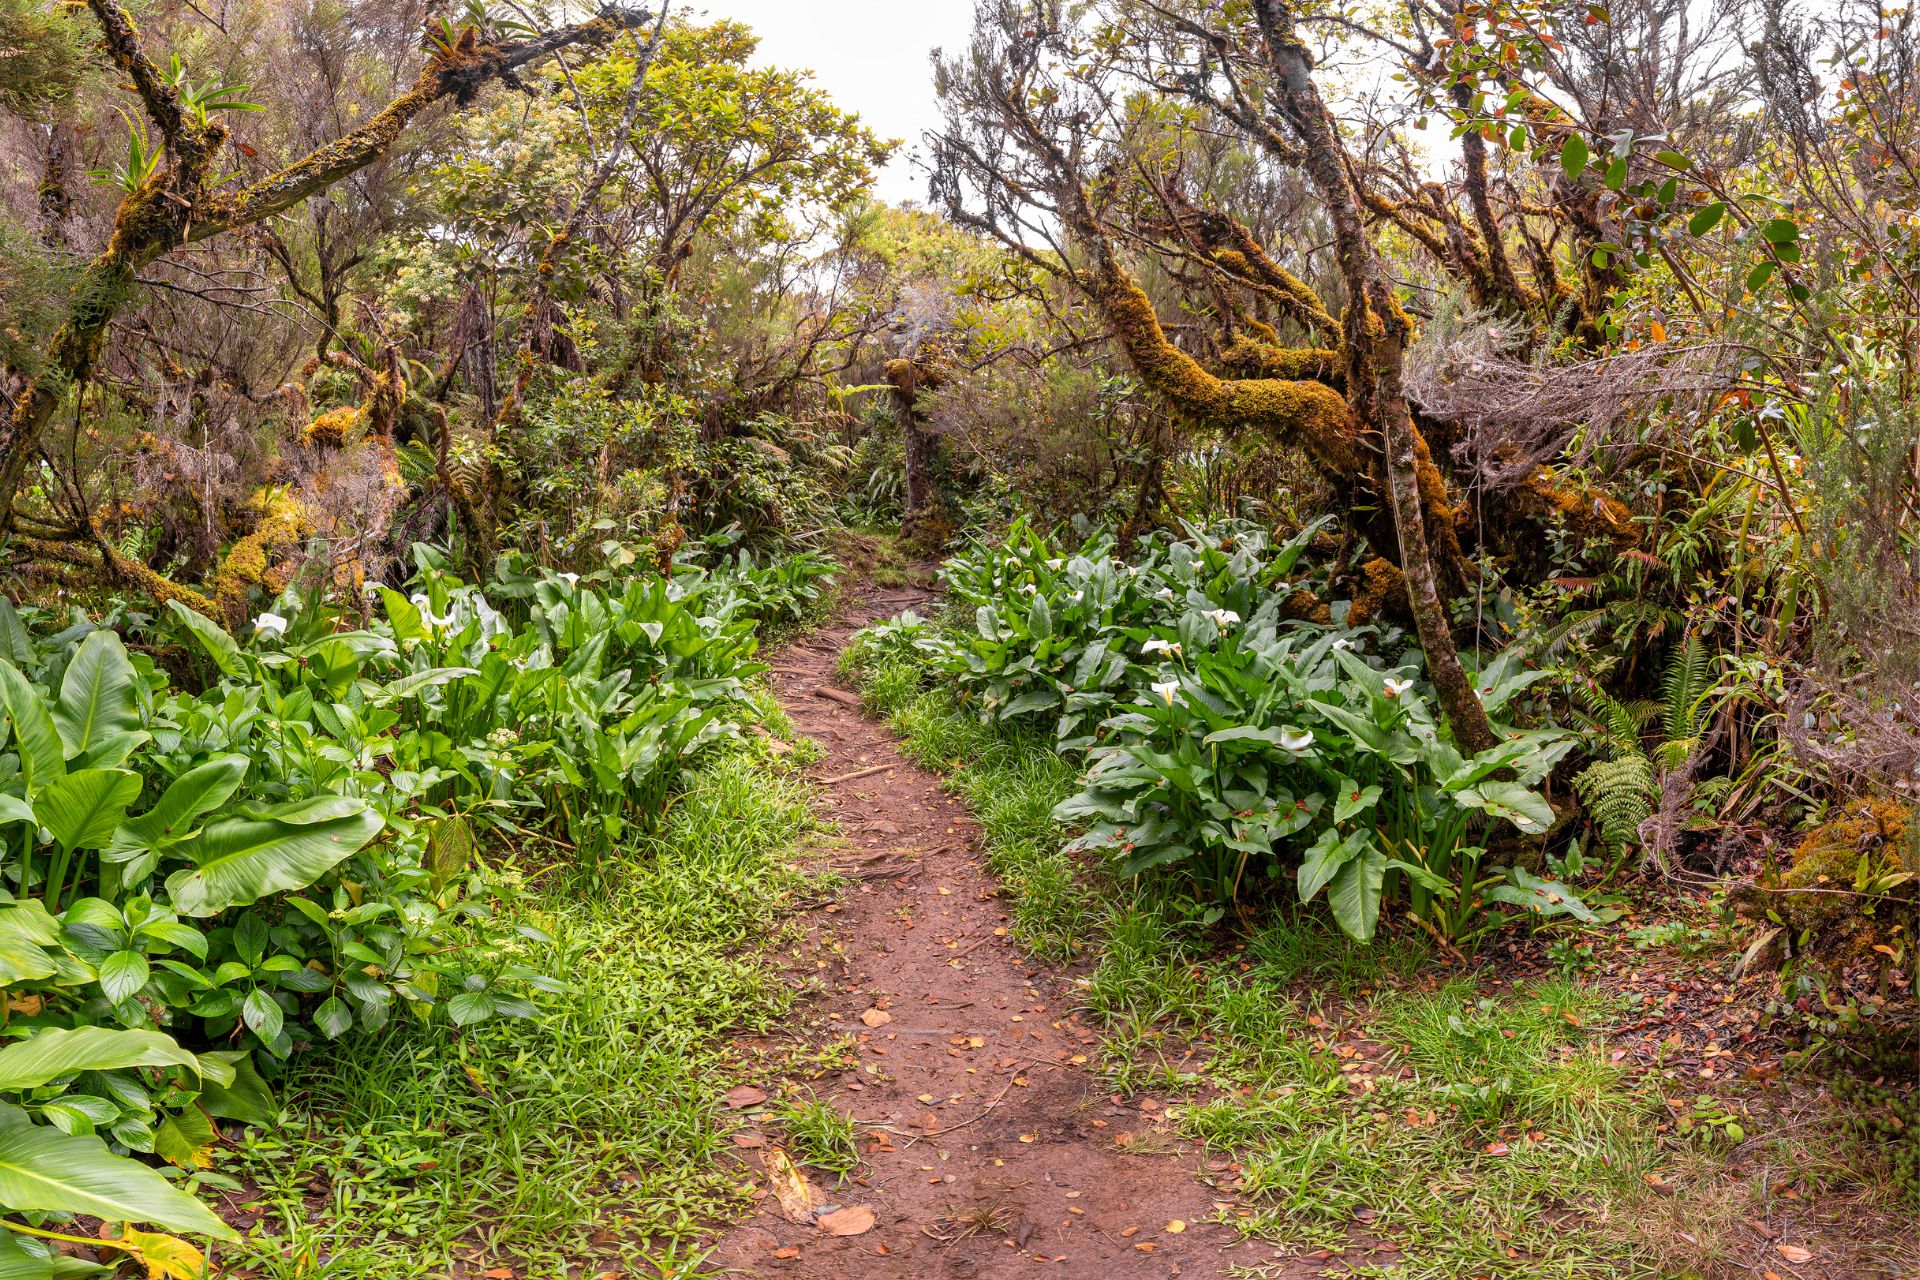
[[1285, 1048], [587, 1134], [399, 829], [1234, 737], [1376, 1109]]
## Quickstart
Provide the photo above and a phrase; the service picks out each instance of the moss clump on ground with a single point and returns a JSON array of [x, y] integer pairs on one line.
[[1836, 888]]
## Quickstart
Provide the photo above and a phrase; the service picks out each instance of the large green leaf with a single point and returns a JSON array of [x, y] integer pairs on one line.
[[16, 646], [218, 644], [1324, 860], [42, 1168], [97, 695], [242, 860], [41, 757], [14, 809], [83, 808], [46, 1055], [1354, 894], [245, 1097], [26, 930], [196, 792], [1526, 808], [17, 1264]]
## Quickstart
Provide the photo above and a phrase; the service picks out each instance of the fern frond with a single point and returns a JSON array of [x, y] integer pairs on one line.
[[1688, 676], [1620, 724], [1618, 796]]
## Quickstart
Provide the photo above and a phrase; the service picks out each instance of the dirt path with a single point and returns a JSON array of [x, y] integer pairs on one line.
[[991, 1149]]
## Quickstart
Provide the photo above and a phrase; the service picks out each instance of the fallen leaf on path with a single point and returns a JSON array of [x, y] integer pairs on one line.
[[790, 1186], [852, 1221], [876, 1017], [1794, 1253], [1176, 1227], [788, 1252], [745, 1096]]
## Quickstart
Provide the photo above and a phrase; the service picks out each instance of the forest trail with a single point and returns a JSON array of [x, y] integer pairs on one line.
[[990, 1146]]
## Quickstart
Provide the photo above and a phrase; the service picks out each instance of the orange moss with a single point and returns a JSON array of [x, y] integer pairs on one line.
[[1305, 413], [1819, 890], [1305, 605], [1385, 589], [1585, 510], [1253, 358], [282, 524], [331, 429]]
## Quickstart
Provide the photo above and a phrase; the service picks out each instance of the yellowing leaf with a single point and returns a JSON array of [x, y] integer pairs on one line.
[[790, 1186], [165, 1257], [1658, 331]]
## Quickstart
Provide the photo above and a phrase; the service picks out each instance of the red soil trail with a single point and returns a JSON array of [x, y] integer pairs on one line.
[[991, 1147]]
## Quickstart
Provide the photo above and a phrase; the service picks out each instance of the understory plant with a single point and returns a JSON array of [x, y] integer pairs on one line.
[[1234, 740], [218, 847]]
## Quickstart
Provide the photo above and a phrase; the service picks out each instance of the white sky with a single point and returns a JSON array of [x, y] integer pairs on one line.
[[870, 55]]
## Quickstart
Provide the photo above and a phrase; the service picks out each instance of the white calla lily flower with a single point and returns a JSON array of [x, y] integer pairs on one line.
[[1156, 645], [1221, 618], [1166, 689], [1397, 687], [269, 624], [1296, 739], [1343, 644]]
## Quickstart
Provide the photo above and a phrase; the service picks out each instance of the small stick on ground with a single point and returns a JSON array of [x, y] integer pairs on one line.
[[857, 773], [838, 695]]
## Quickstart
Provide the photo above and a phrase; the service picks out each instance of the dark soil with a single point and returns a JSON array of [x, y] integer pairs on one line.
[[991, 1147]]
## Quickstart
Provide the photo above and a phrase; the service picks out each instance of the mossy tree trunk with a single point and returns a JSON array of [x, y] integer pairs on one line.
[[910, 379], [1376, 332]]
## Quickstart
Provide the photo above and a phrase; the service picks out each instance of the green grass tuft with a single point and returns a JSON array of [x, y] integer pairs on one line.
[[592, 1132]]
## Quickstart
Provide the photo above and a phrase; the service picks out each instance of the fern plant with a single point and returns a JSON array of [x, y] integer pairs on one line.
[[1618, 795], [1618, 790]]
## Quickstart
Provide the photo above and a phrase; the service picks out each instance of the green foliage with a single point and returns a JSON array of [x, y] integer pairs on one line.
[[1052, 628], [821, 1135], [288, 854], [590, 1132], [1242, 746], [1618, 796], [43, 55]]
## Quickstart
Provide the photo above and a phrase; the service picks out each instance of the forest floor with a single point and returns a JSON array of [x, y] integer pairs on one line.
[[988, 1143], [1042, 1072], [853, 984]]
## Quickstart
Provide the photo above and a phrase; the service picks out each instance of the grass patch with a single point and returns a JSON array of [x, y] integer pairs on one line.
[[590, 1133], [820, 1134]]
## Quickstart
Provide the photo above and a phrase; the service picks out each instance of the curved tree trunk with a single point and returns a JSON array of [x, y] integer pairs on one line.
[[1376, 331]]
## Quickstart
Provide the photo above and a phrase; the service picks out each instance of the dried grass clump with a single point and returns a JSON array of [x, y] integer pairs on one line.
[[1517, 415]]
